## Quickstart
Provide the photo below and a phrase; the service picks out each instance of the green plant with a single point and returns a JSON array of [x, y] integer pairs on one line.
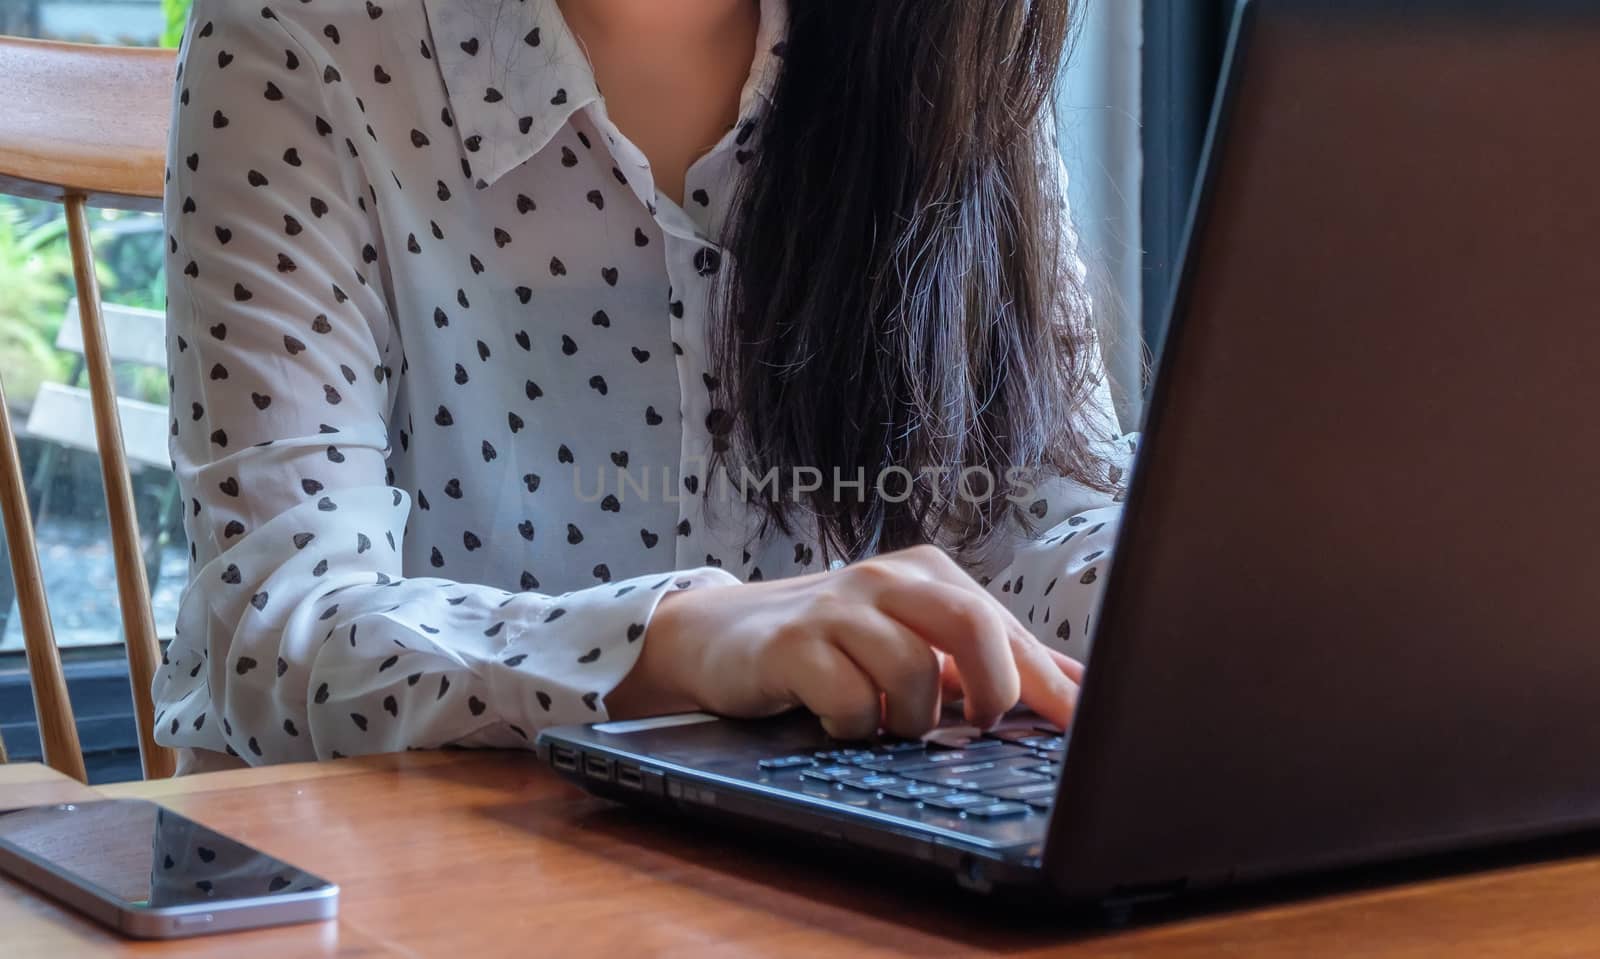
[[177, 16], [35, 284]]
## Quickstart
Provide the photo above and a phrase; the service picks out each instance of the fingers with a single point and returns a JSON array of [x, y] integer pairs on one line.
[[950, 676], [1073, 669], [950, 679], [965, 627], [830, 684], [1048, 681], [901, 664], [916, 628], [1046, 687]]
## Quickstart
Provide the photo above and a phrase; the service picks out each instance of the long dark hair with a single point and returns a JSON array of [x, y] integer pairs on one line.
[[901, 294]]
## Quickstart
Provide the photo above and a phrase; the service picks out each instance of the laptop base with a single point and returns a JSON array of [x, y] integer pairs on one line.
[[703, 765]]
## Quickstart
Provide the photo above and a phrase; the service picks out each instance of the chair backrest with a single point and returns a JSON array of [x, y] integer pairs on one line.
[[84, 125]]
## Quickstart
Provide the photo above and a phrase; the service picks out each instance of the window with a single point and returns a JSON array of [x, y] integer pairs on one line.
[[41, 372], [130, 22], [1098, 122]]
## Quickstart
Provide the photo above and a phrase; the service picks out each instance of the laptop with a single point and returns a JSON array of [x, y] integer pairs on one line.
[[1355, 615]]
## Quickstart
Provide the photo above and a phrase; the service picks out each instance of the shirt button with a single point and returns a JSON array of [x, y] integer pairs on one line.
[[707, 261]]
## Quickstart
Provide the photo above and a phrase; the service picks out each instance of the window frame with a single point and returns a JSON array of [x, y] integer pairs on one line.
[[1184, 41], [102, 705]]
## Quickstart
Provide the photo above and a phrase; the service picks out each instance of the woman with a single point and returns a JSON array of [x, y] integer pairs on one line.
[[473, 368]]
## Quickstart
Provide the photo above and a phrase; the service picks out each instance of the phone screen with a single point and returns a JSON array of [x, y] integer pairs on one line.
[[148, 857]]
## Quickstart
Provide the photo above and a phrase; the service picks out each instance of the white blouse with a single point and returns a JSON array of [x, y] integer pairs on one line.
[[439, 385]]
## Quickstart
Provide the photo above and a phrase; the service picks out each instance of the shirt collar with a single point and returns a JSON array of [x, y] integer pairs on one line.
[[515, 73]]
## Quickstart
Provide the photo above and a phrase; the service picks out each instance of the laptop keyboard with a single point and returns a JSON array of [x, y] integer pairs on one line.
[[998, 775]]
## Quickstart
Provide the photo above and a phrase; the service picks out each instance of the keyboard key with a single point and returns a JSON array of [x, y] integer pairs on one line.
[[871, 759], [955, 802], [900, 746], [1014, 769], [1050, 728], [951, 758], [911, 791], [909, 761], [978, 745], [831, 774], [1001, 779], [999, 810], [943, 781], [781, 763], [1045, 790], [839, 755], [964, 769], [871, 783], [1013, 735], [1046, 743]]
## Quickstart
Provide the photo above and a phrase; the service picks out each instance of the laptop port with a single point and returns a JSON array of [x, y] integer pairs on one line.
[[563, 758], [629, 776], [597, 767]]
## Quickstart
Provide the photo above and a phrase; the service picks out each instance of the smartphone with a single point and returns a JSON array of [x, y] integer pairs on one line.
[[150, 873]]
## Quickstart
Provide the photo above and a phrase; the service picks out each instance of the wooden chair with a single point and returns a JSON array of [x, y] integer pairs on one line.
[[84, 125]]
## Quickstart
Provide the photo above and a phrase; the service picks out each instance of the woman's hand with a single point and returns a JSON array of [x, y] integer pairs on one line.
[[876, 644]]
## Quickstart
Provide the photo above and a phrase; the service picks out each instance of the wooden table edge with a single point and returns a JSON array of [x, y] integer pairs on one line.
[[252, 776]]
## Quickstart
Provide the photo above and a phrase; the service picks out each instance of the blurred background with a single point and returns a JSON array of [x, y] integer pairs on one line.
[[38, 366]]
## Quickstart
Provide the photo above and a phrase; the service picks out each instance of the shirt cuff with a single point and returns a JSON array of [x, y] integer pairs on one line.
[[568, 652]]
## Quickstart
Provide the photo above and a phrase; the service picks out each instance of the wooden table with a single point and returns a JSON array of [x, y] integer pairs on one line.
[[485, 854]]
